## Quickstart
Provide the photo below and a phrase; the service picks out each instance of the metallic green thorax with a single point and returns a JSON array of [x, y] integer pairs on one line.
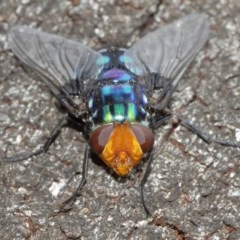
[[117, 97], [119, 113]]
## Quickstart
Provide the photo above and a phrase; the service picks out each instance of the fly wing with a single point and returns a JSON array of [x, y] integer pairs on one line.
[[64, 65], [168, 51]]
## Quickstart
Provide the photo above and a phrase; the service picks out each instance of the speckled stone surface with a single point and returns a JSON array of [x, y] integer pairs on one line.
[[193, 189]]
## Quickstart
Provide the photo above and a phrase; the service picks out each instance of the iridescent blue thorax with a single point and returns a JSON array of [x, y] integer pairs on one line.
[[116, 95]]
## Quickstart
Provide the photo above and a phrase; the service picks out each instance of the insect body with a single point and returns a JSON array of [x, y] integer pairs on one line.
[[116, 94], [118, 107]]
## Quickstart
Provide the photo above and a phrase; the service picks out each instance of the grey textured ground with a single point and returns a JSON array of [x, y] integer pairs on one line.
[[193, 189]]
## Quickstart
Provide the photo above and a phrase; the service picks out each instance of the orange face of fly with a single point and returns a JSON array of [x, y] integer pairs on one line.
[[121, 146]]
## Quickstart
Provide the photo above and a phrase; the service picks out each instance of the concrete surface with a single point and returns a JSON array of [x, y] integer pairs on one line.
[[193, 189]]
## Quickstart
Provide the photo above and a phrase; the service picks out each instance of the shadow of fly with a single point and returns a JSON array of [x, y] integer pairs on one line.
[[117, 96]]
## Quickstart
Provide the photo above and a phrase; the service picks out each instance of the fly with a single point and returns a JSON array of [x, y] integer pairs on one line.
[[117, 96]]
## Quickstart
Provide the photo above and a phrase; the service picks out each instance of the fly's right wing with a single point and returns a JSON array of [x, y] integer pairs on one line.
[[64, 65]]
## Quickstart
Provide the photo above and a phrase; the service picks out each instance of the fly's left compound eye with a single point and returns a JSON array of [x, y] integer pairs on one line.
[[144, 136], [99, 138]]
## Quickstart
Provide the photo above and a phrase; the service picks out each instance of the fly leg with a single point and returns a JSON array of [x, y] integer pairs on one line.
[[176, 120], [66, 205], [205, 137], [143, 181], [148, 168], [63, 122], [156, 123]]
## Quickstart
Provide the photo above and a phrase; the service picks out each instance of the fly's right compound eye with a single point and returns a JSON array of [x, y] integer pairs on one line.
[[99, 138]]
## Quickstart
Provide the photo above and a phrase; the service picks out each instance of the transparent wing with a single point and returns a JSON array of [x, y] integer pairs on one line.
[[168, 51], [63, 64]]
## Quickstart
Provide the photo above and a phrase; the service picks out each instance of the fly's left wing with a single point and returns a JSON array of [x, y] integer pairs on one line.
[[167, 52], [65, 65]]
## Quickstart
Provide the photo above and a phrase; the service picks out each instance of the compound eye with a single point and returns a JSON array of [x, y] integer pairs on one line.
[[99, 137], [144, 136]]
